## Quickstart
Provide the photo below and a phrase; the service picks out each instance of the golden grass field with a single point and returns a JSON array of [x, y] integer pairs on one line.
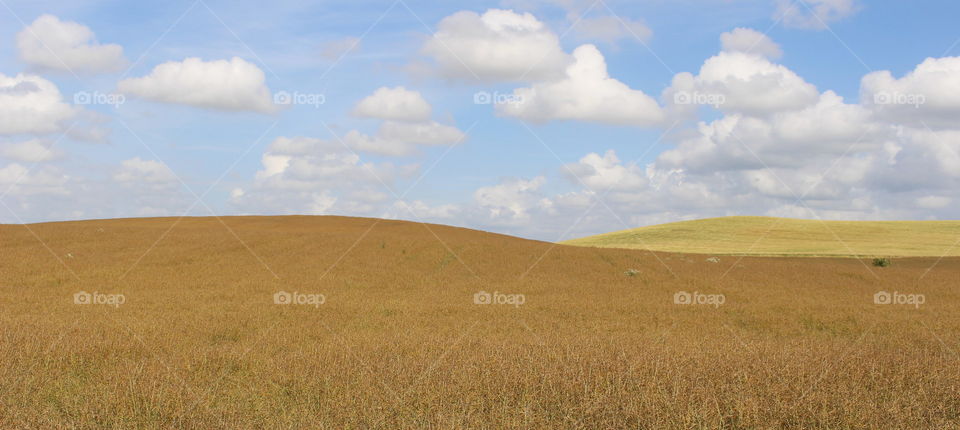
[[767, 236], [199, 343]]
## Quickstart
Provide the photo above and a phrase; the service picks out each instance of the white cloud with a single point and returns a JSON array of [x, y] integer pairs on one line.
[[49, 43], [396, 103], [510, 201], [233, 85], [586, 93], [400, 139], [500, 45], [307, 175], [30, 151], [736, 82], [602, 173], [611, 29], [930, 93], [407, 124], [814, 14], [750, 41], [149, 172], [31, 105], [17, 180]]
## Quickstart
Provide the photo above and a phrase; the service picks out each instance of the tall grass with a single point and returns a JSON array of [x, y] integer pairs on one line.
[[400, 342]]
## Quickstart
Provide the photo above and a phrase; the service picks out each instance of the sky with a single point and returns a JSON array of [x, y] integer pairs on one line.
[[545, 119]]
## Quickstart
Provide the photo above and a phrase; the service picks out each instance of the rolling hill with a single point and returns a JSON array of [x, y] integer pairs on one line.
[[767, 236], [176, 323]]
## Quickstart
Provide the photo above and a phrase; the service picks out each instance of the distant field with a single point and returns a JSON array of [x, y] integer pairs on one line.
[[766, 236], [602, 338]]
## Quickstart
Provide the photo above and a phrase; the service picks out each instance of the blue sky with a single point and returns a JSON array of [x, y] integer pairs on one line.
[[575, 150]]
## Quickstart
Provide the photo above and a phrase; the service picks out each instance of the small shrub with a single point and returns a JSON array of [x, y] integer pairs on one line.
[[881, 262], [632, 272]]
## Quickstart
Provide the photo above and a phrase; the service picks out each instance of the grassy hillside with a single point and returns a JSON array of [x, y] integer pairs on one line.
[[598, 341], [742, 235]]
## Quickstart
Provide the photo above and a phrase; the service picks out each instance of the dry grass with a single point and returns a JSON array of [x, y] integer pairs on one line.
[[766, 236], [399, 343]]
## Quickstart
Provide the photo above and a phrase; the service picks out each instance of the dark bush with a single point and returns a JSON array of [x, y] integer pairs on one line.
[[881, 262]]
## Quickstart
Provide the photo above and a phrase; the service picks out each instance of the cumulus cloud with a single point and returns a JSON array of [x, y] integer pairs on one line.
[[407, 124], [500, 45], [17, 180], [602, 173], [750, 41], [396, 103], [814, 14], [30, 151], [51, 44], [31, 105], [930, 93], [315, 176], [230, 85], [586, 93], [400, 139], [149, 172], [736, 82], [510, 200]]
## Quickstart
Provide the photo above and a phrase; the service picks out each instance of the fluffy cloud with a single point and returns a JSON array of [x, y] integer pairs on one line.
[[397, 103], [307, 175], [814, 14], [586, 93], [30, 151], [930, 93], [17, 180], [736, 82], [400, 138], [602, 173], [511, 200], [233, 85], [49, 43], [750, 41], [500, 45], [149, 172], [407, 124], [31, 105]]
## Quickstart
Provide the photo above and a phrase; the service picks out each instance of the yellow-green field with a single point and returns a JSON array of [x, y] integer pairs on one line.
[[603, 338], [766, 236]]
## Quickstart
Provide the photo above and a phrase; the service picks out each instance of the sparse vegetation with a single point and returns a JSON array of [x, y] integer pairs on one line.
[[400, 342], [881, 262]]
